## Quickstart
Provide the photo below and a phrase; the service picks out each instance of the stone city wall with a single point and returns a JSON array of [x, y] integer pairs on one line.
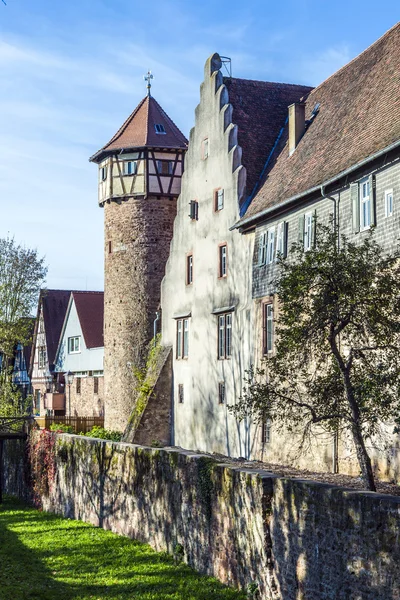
[[298, 540]]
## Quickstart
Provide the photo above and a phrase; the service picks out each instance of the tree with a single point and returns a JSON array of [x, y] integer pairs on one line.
[[336, 359], [22, 274]]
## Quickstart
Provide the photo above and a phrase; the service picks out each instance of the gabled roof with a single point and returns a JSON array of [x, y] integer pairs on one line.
[[359, 115], [139, 131], [260, 109], [90, 309], [54, 303]]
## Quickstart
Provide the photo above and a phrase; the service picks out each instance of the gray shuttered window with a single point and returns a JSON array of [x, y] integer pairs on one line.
[[355, 206]]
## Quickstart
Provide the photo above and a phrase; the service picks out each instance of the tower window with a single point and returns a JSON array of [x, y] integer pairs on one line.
[[218, 199], [221, 392], [222, 260], [204, 149], [130, 167], [194, 210], [165, 167], [189, 269], [95, 385], [103, 173], [225, 336], [109, 247], [266, 431], [182, 338], [181, 396], [159, 128], [78, 385]]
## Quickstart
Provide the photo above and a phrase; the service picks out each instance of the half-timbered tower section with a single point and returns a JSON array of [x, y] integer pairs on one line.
[[140, 172], [206, 292], [338, 158]]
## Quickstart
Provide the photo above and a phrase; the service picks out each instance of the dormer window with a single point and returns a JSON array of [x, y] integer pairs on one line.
[[103, 173], [159, 128], [130, 167]]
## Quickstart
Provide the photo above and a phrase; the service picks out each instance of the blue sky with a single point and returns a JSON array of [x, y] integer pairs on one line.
[[72, 71]]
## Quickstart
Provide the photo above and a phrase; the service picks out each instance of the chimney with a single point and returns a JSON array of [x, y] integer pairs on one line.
[[297, 123]]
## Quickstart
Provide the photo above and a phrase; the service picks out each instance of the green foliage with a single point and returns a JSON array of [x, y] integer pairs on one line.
[[104, 434], [146, 379], [12, 404], [22, 273], [337, 356], [61, 428], [252, 590], [44, 556], [178, 553]]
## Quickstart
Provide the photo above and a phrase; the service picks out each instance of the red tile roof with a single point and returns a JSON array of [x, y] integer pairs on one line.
[[259, 110], [139, 131], [359, 115], [90, 309]]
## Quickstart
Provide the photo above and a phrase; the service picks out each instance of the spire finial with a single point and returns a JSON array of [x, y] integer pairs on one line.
[[148, 78]]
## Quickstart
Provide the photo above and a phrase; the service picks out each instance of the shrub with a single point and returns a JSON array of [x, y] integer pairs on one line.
[[61, 428], [104, 434]]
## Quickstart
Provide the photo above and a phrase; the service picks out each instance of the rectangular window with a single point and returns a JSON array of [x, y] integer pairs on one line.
[[270, 245], [95, 385], [218, 199], [204, 149], [194, 210], [365, 205], [42, 357], [225, 336], [109, 247], [268, 328], [130, 167], [181, 392], [165, 167], [159, 128], [103, 173], [221, 392], [281, 240], [182, 338], [223, 261], [78, 385], [262, 249], [388, 203], [74, 344], [308, 226], [189, 269], [266, 431]]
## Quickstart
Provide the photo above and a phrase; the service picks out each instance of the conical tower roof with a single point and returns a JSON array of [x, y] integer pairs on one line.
[[148, 126]]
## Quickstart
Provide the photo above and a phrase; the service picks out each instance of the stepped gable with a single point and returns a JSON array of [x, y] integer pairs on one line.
[[139, 131], [359, 115], [259, 111], [54, 303], [90, 309]]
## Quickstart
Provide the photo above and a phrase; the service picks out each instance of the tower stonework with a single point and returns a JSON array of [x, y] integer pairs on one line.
[[140, 173]]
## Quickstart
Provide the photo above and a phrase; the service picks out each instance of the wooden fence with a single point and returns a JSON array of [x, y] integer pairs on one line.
[[79, 424]]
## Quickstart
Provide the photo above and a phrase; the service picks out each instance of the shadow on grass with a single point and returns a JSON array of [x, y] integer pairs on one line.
[[45, 557]]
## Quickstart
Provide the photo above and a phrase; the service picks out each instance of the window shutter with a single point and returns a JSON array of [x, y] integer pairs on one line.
[[372, 198], [261, 248], [301, 229], [313, 229], [285, 238], [355, 206]]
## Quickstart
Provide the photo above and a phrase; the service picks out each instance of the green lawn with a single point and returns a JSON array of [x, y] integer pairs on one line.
[[45, 557]]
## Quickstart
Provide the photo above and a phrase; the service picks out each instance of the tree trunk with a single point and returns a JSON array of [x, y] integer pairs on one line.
[[362, 455], [363, 458]]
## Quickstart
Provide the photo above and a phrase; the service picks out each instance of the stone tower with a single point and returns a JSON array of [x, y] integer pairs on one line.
[[140, 173]]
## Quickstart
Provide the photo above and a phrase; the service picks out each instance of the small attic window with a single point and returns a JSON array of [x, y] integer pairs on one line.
[[159, 128]]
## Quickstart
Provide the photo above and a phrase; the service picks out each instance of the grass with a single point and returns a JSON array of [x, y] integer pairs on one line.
[[46, 557]]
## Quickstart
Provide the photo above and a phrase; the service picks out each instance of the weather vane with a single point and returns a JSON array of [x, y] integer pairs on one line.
[[148, 78]]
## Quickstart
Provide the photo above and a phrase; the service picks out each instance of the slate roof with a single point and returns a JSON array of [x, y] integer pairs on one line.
[[138, 131], [260, 109], [359, 115], [54, 303], [90, 309]]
